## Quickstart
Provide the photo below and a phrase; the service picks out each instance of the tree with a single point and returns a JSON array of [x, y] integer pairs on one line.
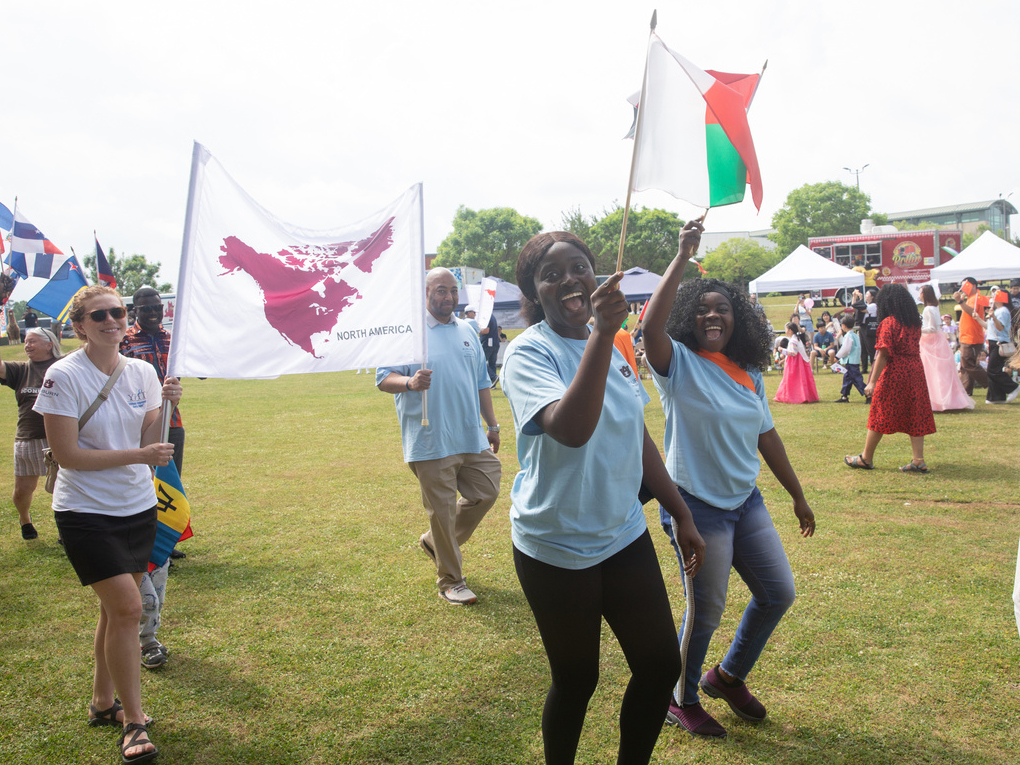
[[821, 209], [740, 261], [487, 239], [653, 237], [131, 272], [925, 225], [969, 238], [577, 223]]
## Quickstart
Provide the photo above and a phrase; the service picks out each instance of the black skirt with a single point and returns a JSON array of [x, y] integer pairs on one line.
[[103, 546]]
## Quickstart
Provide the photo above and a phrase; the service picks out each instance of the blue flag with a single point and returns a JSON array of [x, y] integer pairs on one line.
[[54, 299], [173, 514]]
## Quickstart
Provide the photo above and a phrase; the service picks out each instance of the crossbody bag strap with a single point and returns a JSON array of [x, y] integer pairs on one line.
[[103, 394]]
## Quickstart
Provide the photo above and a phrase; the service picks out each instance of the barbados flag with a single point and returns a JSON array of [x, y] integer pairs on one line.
[[173, 514]]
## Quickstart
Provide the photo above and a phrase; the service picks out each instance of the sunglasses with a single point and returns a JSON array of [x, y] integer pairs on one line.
[[116, 313]]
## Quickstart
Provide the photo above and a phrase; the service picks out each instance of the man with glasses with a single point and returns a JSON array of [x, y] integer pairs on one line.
[[147, 340]]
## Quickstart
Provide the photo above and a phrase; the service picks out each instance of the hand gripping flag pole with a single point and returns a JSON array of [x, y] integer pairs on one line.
[[173, 511]]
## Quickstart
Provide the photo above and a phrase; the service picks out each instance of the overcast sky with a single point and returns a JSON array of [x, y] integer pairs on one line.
[[325, 112]]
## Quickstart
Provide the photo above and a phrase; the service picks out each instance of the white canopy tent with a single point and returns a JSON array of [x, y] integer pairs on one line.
[[988, 258], [803, 270]]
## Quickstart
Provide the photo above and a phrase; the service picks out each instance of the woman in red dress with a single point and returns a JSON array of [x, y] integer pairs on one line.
[[899, 391]]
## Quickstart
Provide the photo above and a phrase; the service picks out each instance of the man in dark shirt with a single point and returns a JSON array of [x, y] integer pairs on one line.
[[147, 340]]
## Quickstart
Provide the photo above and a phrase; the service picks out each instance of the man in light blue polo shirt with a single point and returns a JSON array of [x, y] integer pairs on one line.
[[452, 453]]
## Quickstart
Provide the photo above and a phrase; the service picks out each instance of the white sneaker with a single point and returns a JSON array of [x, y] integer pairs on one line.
[[1012, 396], [458, 595]]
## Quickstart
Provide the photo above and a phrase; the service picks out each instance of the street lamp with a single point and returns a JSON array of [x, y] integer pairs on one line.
[[856, 173]]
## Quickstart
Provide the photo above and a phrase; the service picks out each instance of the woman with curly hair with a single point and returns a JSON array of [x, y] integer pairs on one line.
[[897, 385], [582, 549], [707, 361]]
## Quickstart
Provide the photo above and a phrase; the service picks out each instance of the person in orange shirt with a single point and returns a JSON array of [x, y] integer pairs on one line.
[[625, 344], [972, 334]]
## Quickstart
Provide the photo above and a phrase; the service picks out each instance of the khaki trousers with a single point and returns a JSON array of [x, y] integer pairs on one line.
[[452, 521]]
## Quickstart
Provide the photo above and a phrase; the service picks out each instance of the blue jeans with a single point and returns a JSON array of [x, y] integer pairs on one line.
[[745, 540]]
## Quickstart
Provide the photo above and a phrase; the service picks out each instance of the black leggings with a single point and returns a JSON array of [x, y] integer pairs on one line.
[[569, 605]]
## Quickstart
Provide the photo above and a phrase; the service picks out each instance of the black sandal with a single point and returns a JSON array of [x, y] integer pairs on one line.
[[98, 718], [139, 737], [858, 462]]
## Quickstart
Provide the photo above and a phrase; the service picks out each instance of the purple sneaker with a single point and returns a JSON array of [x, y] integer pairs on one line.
[[695, 720], [741, 701]]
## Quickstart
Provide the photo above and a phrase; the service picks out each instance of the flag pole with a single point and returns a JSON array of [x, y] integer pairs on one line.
[[633, 156]]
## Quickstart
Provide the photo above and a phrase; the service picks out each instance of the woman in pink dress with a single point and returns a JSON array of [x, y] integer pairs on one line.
[[944, 386], [798, 384]]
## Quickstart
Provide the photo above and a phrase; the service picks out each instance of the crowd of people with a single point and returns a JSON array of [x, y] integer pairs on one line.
[[582, 549]]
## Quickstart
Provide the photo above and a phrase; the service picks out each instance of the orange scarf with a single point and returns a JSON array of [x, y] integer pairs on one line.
[[736, 373]]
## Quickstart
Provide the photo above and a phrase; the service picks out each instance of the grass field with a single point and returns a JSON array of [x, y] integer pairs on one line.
[[303, 626]]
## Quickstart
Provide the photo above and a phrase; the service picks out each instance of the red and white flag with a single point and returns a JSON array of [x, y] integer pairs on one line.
[[486, 301], [258, 297]]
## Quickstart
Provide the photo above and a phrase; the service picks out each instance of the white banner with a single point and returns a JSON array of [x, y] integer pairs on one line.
[[258, 297]]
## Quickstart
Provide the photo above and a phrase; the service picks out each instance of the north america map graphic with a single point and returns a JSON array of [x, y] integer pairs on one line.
[[303, 286]]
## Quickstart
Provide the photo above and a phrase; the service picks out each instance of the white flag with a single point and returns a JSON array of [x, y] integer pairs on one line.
[[258, 297], [486, 301]]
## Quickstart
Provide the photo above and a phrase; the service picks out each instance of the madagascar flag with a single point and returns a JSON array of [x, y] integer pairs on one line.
[[693, 140], [173, 514]]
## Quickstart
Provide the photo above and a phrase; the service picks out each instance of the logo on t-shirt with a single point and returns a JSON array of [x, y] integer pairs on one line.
[[626, 371], [137, 400], [47, 383]]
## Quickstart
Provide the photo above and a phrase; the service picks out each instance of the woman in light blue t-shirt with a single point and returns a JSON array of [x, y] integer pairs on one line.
[[581, 544], [706, 347]]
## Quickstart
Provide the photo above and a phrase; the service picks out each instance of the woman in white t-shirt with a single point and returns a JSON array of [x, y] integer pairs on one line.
[[104, 501]]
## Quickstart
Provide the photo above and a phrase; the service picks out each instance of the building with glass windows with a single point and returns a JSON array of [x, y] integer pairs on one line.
[[967, 217]]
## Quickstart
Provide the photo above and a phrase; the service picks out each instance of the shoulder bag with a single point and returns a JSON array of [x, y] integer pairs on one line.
[[52, 468]]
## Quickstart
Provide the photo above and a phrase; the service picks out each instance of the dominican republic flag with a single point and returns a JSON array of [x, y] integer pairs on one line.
[[54, 298], [693, 140], [290, 300], [173, 514], [103, 270], [32, 254], [6, 224]]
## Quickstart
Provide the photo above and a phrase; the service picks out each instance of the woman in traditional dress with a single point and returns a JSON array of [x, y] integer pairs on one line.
[[944, 387], [798, 383]]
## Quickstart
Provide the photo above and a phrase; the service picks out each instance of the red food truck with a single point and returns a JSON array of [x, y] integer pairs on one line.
[[897, 256]]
